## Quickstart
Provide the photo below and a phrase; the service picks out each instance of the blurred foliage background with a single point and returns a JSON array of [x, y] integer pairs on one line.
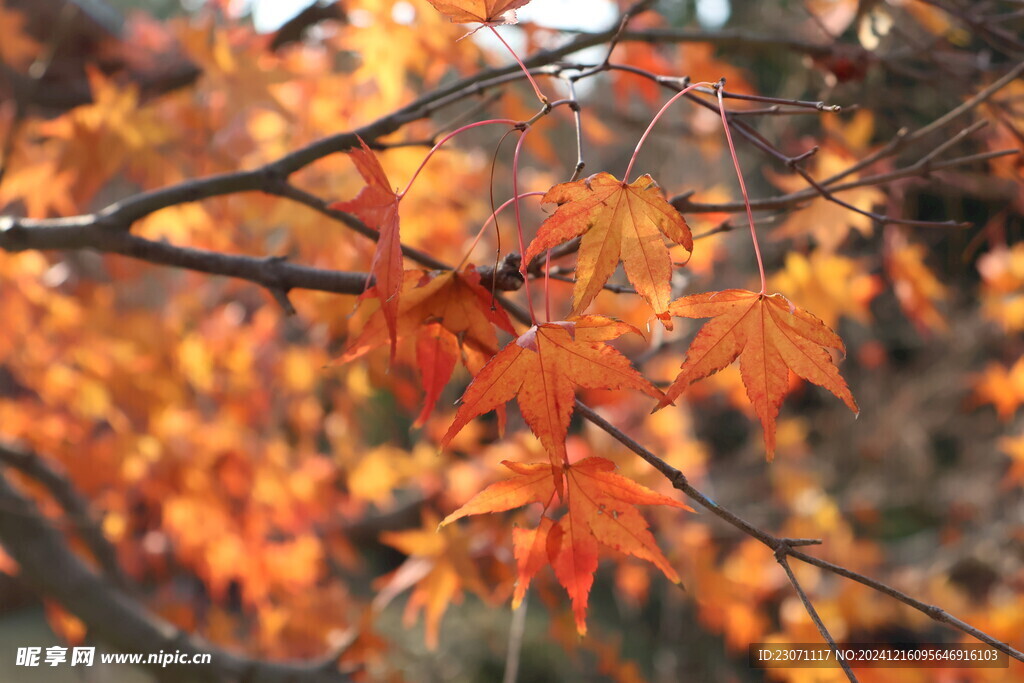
[[274, 501]]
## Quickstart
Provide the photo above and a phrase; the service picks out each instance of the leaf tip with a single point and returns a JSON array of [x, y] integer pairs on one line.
[[663, 403]]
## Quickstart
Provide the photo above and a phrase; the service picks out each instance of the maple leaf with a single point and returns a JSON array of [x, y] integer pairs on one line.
[[377, 206], [479, 11], [829, 223], [618, 221], [831, 284], [916, 287], [446, 313], [1003, 294], [18, 49], [533, 483], [439, 565], [1014, 448], [771, 336], [1001, 386], [541, 370], [600, 510]]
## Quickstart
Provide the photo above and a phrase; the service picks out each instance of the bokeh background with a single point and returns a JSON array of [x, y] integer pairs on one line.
[[277, 502]]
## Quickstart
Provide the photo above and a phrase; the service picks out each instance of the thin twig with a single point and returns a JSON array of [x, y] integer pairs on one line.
[[76, 508], [780, 557], [50, 567], [680, 482], [37, 72], [515, 641]]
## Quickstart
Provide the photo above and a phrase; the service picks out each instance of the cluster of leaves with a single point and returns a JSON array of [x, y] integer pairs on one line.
[[618, 221]]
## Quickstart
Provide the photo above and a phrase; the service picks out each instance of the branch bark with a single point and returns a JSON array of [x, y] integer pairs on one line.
[[51, 568], [784, 546]]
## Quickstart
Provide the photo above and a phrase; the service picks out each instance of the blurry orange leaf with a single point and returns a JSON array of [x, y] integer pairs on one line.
[[1013, 447], [1002, 269], [645, 56], [618, 221], [830, 284], [542, 368], [1002, 387], [770, 336], [601, 510], [439, 566], [18, 48], [444, 312], [479, 11], [67, 626], [829, 223], [916, 288], [377, 206]]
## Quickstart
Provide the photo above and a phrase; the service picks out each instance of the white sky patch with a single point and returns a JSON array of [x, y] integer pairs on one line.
[[713, 13], [268, 15], [570, 15], [582, 15]]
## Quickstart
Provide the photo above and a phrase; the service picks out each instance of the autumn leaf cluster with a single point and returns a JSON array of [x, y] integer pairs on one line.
[[278, 481]]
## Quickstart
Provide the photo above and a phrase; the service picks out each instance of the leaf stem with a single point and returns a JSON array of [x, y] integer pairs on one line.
[[643, 138], [536, 89], [491, 219], [519, 223], [445, 139], [743, 187], [547, 285]]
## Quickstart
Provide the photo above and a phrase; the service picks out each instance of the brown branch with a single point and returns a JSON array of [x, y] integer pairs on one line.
[[680, 482], [274, 273], [970, 104], [794, 199], [50, 567], [821, 188], [292, 30], [25, 95], [270, 177], [780, 557], [761, 143], [76, 508], [317, 204]]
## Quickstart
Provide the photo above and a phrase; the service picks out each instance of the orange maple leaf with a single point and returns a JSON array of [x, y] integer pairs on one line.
[[18, 49], [916, 287], [377, 206], [771, 336], [831, 284], [541, 370], [1012, 446], [829, 223], [618, 221], [600, 510], [479, 11], [446, 313], [1001, 386], [439, 566]]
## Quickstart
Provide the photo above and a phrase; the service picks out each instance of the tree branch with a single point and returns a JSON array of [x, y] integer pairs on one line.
[[52, 569], [680, 482], [780, 557], [76, 508], [274, 273]]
